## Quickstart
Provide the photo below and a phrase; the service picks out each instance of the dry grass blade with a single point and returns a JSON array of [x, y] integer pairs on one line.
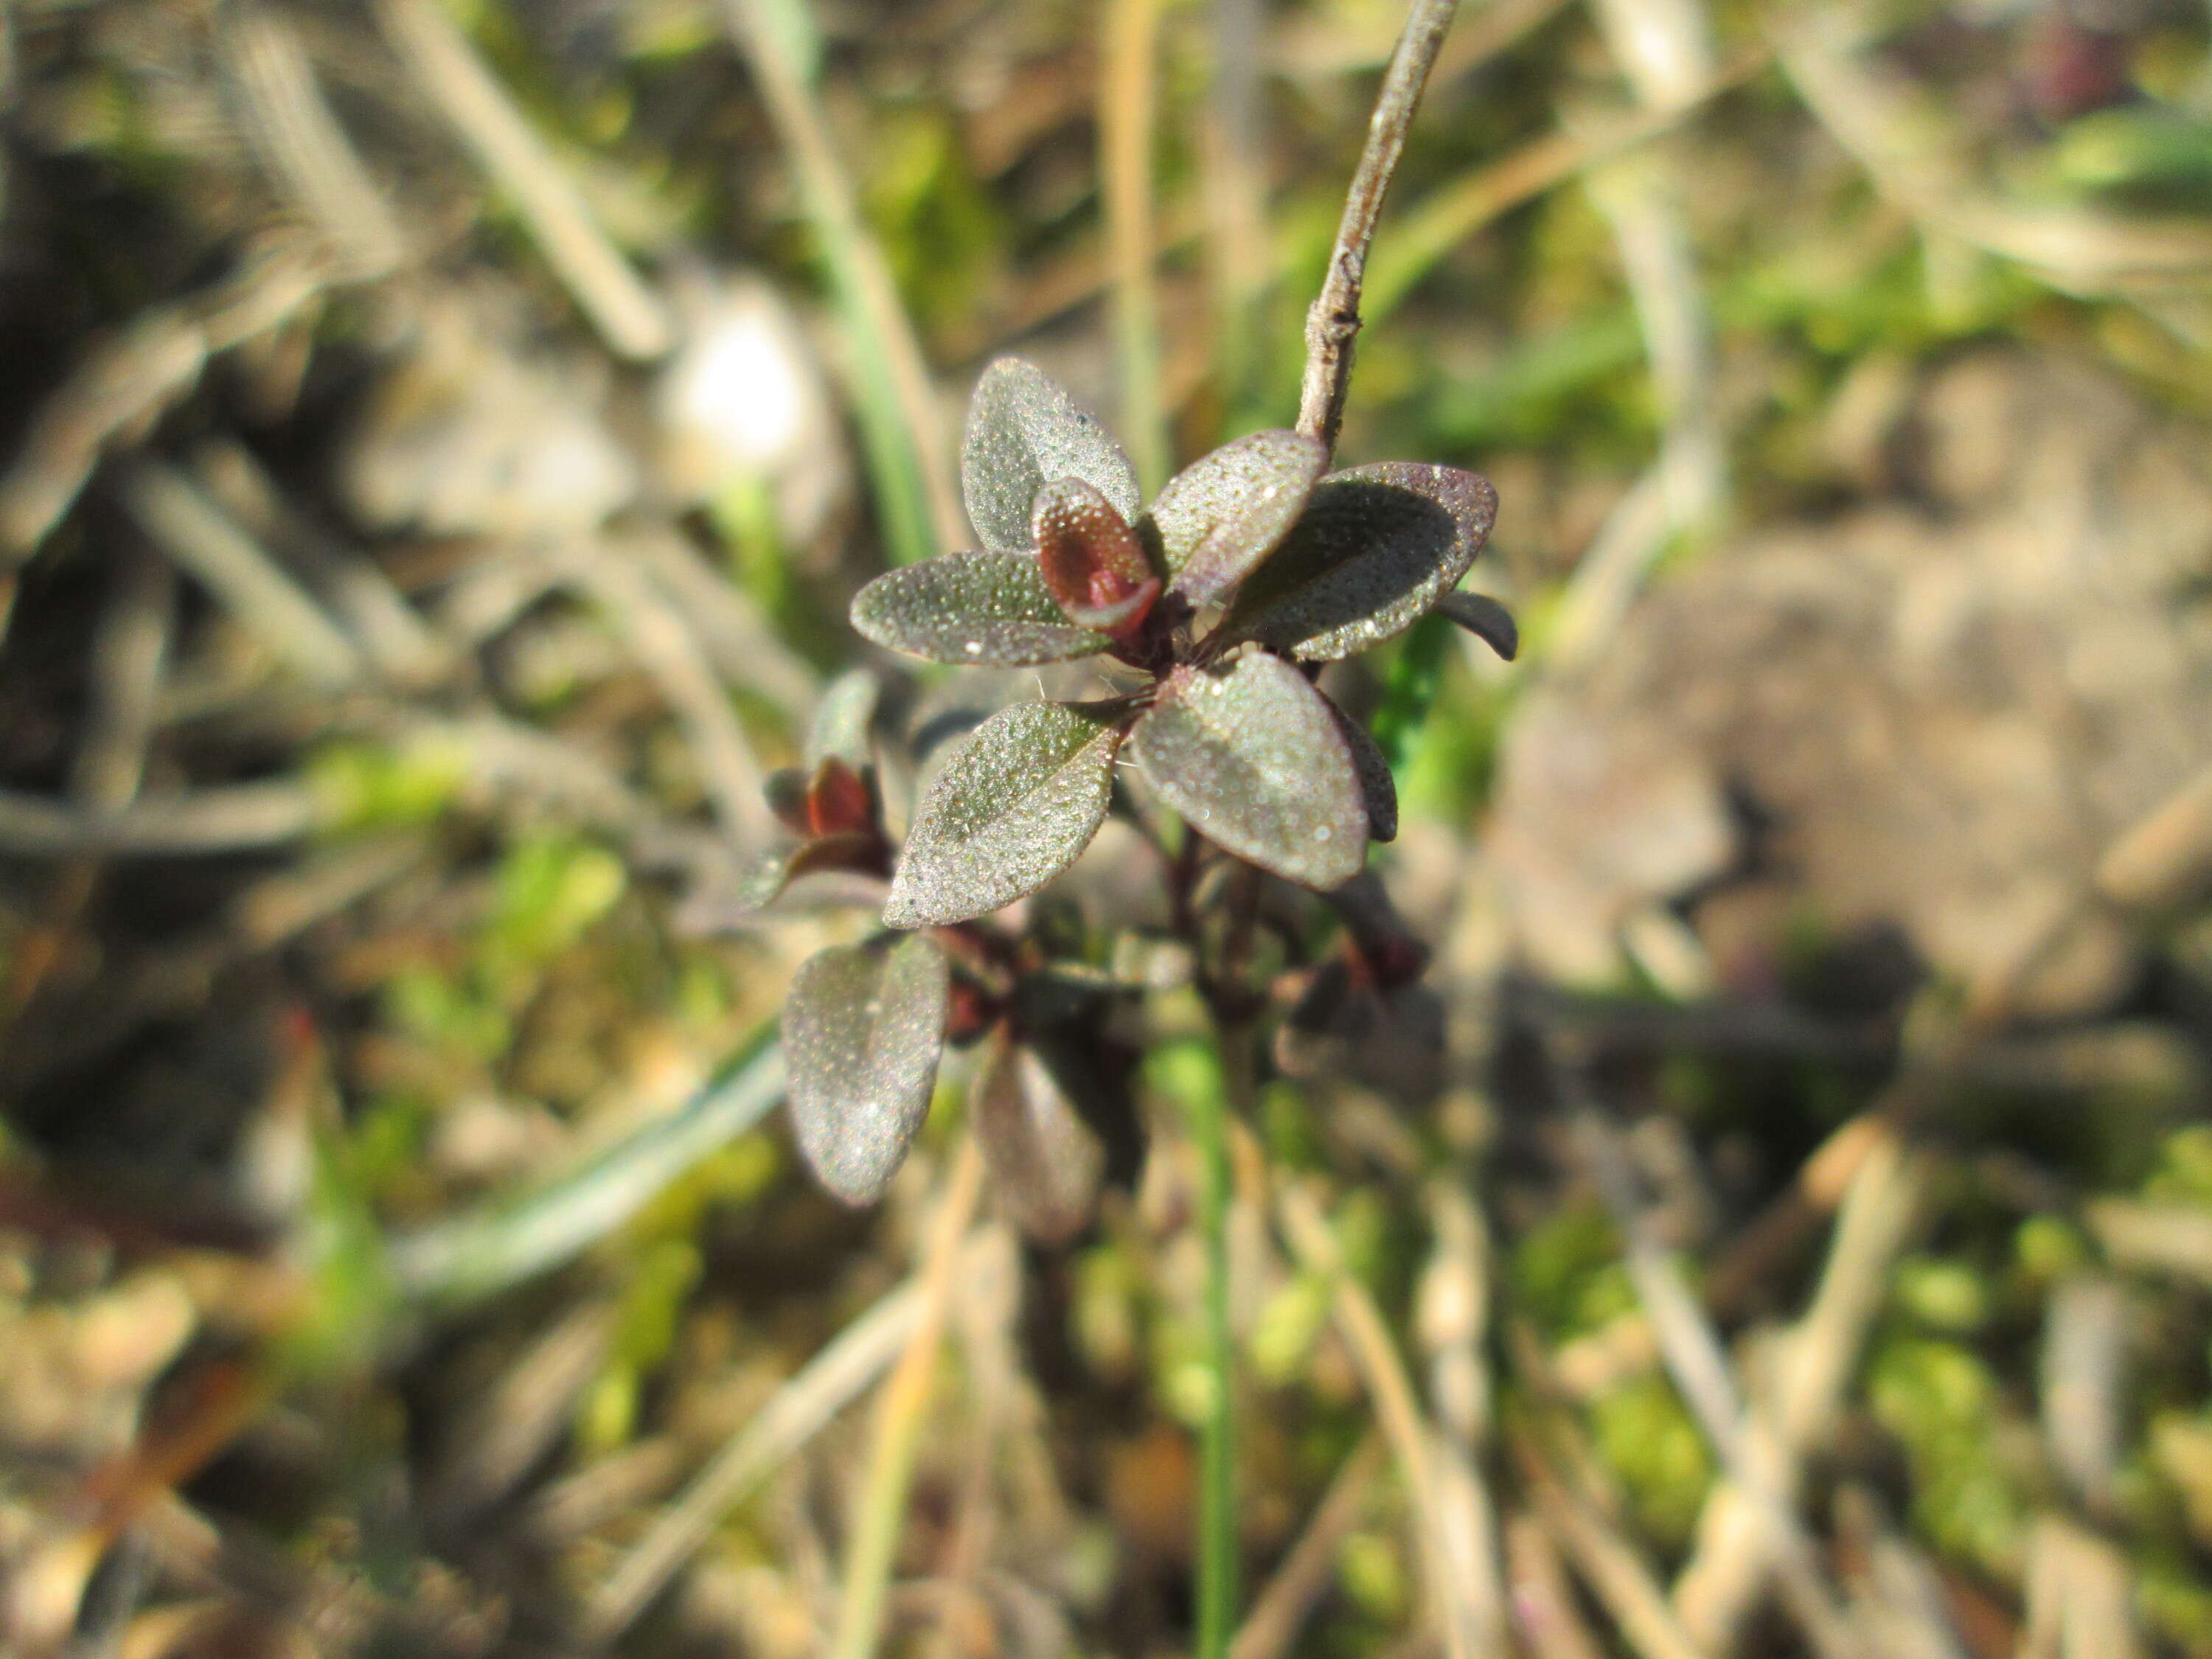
[[229, 818], [1691, 1350], [1545, 1613], [126, 382], [1468, 1599], [1440, 221], [398, 644], [629, 316], [667, 650], [1898, 1599], [127, 656], [2084, 1376], [302, 145], [1620, 1579], [2081, 1601], [507, 1428], [199, 536], [1737, 1536], [2172, 1238], [1127, 102], [839, 1374], [1271, 1629], [2167, 858], [1905, 151], [897, 406], [882, 1516], [478, 1254], [743, 645]]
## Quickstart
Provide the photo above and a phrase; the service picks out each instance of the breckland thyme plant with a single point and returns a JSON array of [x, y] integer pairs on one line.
[[1211, 614], [1218, 605]]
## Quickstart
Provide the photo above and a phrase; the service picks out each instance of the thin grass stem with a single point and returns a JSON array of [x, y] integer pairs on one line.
[[874, 1546], [1209, 1112], [1128, 108]]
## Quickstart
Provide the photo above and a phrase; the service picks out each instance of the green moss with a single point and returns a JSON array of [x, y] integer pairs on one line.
[[1943, 1401], [1646, 1435]]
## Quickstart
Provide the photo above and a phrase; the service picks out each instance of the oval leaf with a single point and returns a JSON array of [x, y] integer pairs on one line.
[[1253, 756], [1376, 547], [988, 610], [1092, 561], [1484, 617], [1009, 812], [1046, 1163], [1225, 512], [843, 720], [1024, 431], [1378, 788], [862, 1029]]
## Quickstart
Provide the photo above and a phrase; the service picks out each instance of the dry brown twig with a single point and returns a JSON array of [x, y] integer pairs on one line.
[[1334, 322]]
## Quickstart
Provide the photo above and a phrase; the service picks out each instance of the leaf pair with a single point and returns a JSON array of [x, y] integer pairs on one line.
[[1069, 566], [1259, 763], [1305, 568], [863, 1032]]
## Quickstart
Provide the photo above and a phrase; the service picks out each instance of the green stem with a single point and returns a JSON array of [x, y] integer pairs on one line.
[[1217, 1473]]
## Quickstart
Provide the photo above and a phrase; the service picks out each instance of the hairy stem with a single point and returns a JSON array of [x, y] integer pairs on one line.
[[1335, 318]]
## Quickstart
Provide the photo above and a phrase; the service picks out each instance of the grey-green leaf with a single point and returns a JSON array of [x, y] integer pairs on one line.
[[1484, 617], [986, 609], [1024, 431], [842, 720], [1046, 1163], [1225, 512], [863, 1027], [1254, 757], [1010, 812], [1376, 548], [1378, 788]]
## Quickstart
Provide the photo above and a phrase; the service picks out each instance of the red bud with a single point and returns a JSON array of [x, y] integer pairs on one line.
[[1092, 561]]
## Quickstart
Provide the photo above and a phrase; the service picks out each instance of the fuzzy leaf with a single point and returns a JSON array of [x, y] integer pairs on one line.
[[1024, 431], [1376, 547], [1378, 788], [1484, 617], [1092, 561], [1252, 755], [1046, 1163], [1010, 812], [862, 1029], [986, 609], [1225, 512], [843, 718]]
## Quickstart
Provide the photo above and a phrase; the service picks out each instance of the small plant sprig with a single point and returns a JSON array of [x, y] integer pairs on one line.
[[1211, 614], [1214, 608]]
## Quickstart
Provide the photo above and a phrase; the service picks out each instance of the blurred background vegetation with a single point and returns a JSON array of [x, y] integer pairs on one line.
[[437, 444]]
